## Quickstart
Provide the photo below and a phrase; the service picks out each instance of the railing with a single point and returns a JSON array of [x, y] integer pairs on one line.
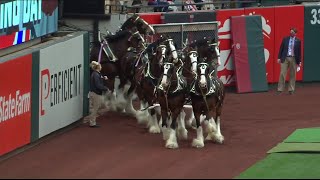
[[184, 33], [128, 8]]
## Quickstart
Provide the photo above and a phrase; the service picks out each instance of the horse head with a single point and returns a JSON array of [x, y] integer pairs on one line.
[[136, 40], [203, 75], [168, 71], [207, 49], [136, 21]]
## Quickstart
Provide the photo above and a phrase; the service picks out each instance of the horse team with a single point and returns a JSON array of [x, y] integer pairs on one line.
[[165, 80]]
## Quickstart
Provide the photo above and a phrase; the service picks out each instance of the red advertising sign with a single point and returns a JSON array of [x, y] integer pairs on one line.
[[226, 69], [154, 18], [15, 103], [287, 17], [268, 26]]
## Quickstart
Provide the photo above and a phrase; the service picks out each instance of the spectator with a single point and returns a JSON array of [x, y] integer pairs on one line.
[[190, 5], [163, 5], [172, 8], [199, 7], [136, 3]]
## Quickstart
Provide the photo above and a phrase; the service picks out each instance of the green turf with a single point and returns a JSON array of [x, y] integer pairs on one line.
[[285, 166], [296, 147], [307, 135]]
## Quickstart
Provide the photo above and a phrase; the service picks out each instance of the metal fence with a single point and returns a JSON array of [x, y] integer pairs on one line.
[[184, 33]]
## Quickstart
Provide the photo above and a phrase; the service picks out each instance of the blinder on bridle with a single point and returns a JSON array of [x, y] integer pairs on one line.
[[139, 37], [141, 22], [167, 65], [214, 48]]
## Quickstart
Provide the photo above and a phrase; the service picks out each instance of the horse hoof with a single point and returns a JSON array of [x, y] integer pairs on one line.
[[172, 145], [198, 143], [219, 139], [182, 134], [209, 127], [154, 130]]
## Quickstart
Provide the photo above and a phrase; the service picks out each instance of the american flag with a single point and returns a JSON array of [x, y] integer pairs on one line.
[[15, 38]]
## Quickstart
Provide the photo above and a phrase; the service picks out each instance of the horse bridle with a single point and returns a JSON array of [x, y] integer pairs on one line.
[[144, 22]]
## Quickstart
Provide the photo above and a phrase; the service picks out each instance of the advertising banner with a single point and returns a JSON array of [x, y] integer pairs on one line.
[[24, 20], [61, 85], [15, 103]]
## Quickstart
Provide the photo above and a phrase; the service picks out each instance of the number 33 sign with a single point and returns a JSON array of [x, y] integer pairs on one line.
[[316, 16]]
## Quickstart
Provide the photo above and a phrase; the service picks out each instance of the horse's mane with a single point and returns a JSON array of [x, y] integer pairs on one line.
[[119, 35]]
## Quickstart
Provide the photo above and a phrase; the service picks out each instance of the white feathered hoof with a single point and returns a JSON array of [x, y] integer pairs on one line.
[[142, 118], [217, 138], [172, 145], [112, 107], [154, 130], [131, 111], [182, 133], [165, 133], [198, 143], [209, 127], [172, 140]]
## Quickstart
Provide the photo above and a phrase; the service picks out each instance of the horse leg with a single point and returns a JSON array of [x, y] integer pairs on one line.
[[164, 127], [171, 142], [142, 116], [129, 107], [182, 131], [210, 123], [153, 125], [216, 136], [191, 123], [121, 101], [199, 141], [104, 105], [111, 96]]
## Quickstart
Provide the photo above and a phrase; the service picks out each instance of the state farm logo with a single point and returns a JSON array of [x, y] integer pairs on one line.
[[226, 69], [59, 87], [14, 104]]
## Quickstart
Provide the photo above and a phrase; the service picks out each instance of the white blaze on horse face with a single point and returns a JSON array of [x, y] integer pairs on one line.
[[164, 80], [163, 53], [173, 49], [203, 82], [218, 54], [193, 58]]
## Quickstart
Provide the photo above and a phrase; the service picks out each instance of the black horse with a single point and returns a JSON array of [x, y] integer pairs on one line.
[[207, 96], [146, 79], [110, 51], [204, 50], [171, 95]]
